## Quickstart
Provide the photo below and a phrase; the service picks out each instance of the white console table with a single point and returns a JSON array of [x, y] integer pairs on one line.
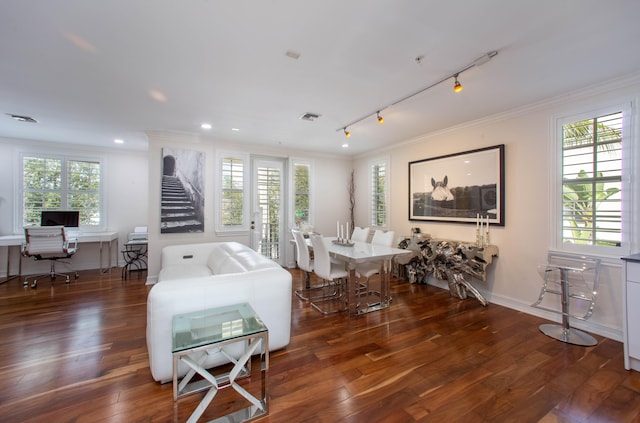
[[103, 238]]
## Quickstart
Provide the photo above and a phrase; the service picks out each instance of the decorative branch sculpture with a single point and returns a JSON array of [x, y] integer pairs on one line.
[[449, 263]]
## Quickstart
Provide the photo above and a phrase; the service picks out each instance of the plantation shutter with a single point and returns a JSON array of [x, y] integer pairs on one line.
[[592, 181], [378, 180], [232, 203]]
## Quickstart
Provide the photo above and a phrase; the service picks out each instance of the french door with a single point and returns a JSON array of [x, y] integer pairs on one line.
[[269, 208]]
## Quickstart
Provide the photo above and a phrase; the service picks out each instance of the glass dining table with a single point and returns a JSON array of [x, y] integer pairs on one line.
[[363, 252]]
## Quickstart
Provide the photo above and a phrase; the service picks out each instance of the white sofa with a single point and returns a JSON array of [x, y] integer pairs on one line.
[[201, 276]]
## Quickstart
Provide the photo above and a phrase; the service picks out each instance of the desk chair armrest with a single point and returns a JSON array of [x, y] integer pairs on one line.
[[70, 246]]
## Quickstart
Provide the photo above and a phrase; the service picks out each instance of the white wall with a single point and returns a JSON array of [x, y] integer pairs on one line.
[[525, 239], [330, 178], [126, 186]]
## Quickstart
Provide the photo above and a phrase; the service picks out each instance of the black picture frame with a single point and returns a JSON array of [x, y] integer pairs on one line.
[[466, 185]]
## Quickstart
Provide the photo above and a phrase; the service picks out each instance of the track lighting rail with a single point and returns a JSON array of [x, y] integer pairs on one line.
[[479, 61]]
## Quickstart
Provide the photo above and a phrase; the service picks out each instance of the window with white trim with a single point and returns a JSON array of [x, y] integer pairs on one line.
[[378, 179], [591, 193], [233, 191], [61, 183]]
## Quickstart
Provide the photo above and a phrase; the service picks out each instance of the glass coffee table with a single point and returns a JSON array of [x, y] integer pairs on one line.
[[220, 330]]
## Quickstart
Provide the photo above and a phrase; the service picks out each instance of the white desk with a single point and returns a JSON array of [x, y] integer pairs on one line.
[[83, 237], [363, 252]]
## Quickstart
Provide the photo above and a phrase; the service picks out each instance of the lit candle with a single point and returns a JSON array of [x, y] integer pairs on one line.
[[338, 229], [477, 220], [342, 231]]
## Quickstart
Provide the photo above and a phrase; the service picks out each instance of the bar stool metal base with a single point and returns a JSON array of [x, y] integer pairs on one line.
[[568, 335]]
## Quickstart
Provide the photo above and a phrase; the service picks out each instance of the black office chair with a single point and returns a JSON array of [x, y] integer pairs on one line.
[[48, 243]]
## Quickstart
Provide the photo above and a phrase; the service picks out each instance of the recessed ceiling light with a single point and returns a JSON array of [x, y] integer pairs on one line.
[[293, 54], [235, 129], [206, 126], [158, 96], [118, 141], [21, 118], [80, 42]]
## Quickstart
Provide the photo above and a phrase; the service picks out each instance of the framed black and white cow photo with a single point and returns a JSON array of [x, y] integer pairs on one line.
[[458, 187]]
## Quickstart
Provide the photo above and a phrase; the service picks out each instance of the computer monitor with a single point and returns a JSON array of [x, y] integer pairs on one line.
[[68, 219]]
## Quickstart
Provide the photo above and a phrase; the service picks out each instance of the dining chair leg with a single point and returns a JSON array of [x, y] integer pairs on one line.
[[337, 297], [308, 288]]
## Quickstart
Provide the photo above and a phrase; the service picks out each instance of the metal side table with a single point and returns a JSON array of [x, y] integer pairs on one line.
[[200, 334], [135, 257]]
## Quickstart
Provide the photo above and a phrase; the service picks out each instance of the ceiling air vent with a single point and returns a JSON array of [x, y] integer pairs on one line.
[[309, 116]]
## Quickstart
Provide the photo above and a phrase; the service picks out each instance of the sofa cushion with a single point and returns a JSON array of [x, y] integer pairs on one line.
[[183, 271], [233, 257], [249, 260], [228, 265], [216, 258]]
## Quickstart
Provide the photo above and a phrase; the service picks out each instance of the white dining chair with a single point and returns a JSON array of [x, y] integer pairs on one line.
[[360, 234], [334, 275], [365, 271], [305, 263]]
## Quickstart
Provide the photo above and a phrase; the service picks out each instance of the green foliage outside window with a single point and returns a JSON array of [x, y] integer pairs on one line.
[[61, 184], [378, 195], [301, 193]]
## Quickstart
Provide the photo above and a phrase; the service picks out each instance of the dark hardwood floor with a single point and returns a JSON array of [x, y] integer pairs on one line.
[[77, 353]]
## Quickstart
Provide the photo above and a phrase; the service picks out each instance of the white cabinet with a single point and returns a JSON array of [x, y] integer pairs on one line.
[[632, 312]]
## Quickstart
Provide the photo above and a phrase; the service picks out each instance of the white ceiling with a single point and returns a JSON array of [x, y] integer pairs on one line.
[[89, 70]]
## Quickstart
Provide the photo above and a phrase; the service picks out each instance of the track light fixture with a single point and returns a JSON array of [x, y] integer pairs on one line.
[[457, 87]]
